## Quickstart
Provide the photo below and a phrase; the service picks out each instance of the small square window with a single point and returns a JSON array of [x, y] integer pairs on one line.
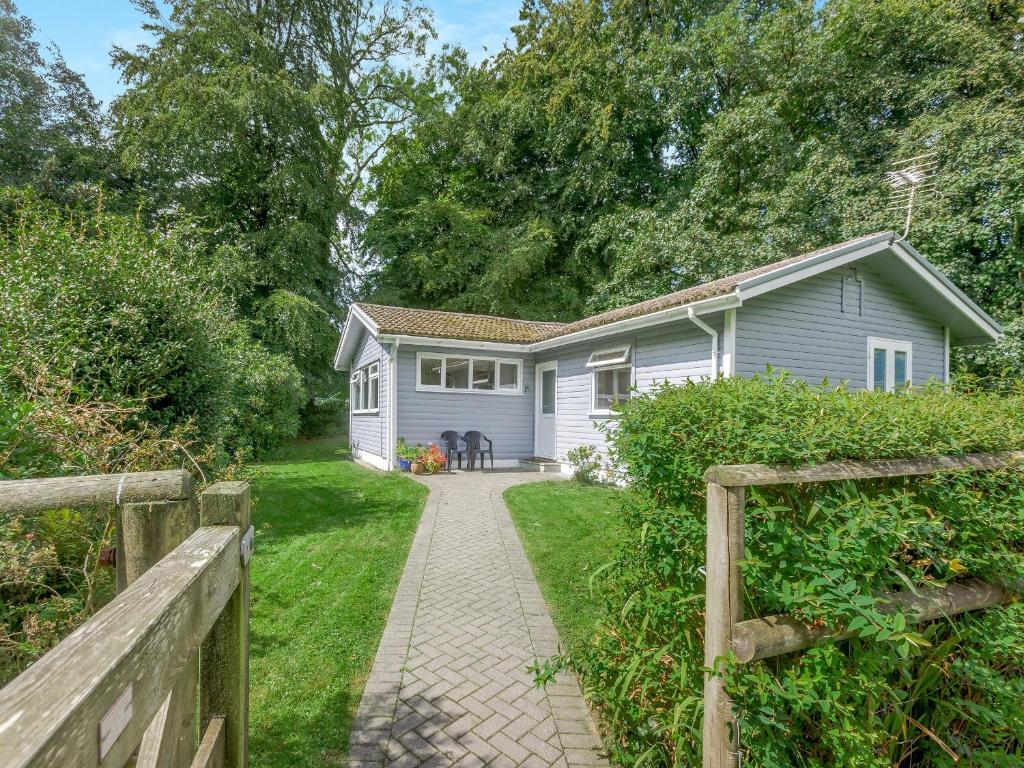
[[430, 371], [611, 385], [483, 374], [508, 376], [456, 373]]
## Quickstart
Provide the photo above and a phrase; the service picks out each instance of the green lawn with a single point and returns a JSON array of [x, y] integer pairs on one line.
[[331, 540], [568, 530]]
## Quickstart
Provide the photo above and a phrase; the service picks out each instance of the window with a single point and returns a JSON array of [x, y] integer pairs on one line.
[[508, 377], [617, 356], [612, 377], [364, 396], [464, 373], [889, 364]]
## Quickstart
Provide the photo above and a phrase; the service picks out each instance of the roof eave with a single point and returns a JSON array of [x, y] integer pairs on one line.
[[343, 356]]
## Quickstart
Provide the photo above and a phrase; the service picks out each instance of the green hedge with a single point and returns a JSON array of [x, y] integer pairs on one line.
[[92, 302], [896, 695]]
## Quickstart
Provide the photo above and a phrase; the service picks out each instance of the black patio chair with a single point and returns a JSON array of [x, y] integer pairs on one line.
[[451, 439], [474, 447]]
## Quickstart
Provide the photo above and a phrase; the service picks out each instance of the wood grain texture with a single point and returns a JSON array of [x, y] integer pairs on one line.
[[93, 490], [723, 604], [150, 531], [762, 474], [49, 715], [224, 658], [774, 635], [211, 749]]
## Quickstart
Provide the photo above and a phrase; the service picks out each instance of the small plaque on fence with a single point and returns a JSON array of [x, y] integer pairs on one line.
[[248, 541], [115, 721]]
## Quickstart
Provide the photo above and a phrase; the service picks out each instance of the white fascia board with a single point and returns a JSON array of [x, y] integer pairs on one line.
[[341, 361], [431, 341], [944, 287], [655, 318], [801, 270]]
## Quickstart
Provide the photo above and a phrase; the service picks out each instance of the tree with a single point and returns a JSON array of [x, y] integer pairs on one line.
[[622, 149], [52, 130], [254, 121]]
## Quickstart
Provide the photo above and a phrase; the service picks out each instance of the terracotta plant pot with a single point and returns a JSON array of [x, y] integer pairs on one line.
[[417, 468]]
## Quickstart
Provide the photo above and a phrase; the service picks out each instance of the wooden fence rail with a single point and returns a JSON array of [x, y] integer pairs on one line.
[[725, 630], [123, 688]]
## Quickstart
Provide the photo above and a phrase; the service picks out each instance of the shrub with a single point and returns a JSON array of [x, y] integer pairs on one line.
[[585, 463], [895, 695]]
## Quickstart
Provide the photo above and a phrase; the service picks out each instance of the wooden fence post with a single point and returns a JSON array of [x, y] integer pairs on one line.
[[148, 531], [224, 658], [723, 608]]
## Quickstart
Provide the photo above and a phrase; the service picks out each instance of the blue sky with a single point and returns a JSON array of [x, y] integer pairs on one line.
[[84, 30]]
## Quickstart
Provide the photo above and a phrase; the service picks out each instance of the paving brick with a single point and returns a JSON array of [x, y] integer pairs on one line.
[[450, 685]]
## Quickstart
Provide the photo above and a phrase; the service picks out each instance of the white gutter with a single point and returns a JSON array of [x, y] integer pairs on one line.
[[714, 339]]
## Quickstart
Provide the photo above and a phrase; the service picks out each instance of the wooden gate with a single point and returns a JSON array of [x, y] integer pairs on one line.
[[159, 677]]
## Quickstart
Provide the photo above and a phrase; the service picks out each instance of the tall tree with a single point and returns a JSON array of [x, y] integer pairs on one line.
[[624, 149], [254, 121], [52, 130]]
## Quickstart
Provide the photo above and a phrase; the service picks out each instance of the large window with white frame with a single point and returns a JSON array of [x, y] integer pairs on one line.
[[364, 395], [890, 364], [611, 378], [436, 372]]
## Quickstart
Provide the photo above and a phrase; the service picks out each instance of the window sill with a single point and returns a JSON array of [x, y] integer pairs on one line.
[[604, 415], [368, 412], [444, 390]]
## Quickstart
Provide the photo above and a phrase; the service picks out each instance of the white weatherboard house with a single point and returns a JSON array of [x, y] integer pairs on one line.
[[872, 311]]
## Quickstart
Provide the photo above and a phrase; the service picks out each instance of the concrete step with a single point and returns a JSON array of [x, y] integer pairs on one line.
[[536, 464]]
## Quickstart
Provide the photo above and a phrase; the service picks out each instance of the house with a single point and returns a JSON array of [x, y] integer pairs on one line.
[[871, 311]]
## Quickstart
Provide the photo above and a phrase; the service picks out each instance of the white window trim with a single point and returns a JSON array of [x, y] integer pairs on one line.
[[622, 359], [443, 357], [365, 375], [891, 347], [594, 410]]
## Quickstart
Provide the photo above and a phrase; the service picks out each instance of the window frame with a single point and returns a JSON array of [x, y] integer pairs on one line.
[[367, 378], [625, 357], [891, 347], [624, 362], [471, 390]]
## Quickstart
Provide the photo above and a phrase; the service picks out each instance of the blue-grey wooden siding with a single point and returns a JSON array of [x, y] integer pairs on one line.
[[369, 432], [506, 419], [803, 329], [676, 352]]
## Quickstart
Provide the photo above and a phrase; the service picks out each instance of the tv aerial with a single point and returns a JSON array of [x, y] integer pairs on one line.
[[911, 180]]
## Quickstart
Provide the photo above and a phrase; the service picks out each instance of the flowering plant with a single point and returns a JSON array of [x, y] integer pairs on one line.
[[433, 459]]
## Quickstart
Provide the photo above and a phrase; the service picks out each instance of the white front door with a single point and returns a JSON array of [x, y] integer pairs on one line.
[[544, 423]]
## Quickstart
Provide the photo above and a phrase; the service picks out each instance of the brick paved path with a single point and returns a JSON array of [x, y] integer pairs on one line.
[[449, 685]]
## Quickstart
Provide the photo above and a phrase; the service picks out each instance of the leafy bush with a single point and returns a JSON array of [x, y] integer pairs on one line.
[[91, 299], [585, 463], [895, 695]]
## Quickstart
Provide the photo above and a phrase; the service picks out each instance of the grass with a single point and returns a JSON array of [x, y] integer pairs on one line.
[[568, 530], [331, 541]]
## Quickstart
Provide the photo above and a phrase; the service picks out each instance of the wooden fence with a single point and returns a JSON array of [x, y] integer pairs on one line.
[[159, 677], [726, 631]]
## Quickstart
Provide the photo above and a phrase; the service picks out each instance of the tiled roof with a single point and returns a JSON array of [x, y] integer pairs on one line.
[[460, 325], [456, 325]]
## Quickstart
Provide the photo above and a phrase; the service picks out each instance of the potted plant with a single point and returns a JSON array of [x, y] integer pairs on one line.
[[432, 460], [405, 454]]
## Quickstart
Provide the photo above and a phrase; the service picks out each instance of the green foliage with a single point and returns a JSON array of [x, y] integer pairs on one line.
[[621, 150], [254, 124], [95, 306], [585, 463], [52, 131], [894, 695]]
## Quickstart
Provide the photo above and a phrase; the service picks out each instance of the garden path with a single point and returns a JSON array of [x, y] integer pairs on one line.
[[450, 684]]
